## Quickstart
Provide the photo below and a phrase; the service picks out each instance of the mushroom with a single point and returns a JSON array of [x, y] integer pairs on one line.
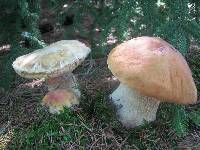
[[150, 71], [54, 63], [57, 99]]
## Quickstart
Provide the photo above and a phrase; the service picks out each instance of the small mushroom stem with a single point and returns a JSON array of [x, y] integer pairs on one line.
[[64, 82], [132, 107]]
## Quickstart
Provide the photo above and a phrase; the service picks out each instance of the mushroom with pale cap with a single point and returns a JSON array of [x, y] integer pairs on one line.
[[150, 71], [54, 63]]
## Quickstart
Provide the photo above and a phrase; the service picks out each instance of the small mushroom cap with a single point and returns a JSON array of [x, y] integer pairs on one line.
[[56, 59], [58, 99], [154, 68]]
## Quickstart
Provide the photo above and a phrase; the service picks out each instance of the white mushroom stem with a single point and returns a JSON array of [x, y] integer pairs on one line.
[[64, 82], [132, 107]]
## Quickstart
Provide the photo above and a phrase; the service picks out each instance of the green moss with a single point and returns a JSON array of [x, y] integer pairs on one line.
[[51, 133]]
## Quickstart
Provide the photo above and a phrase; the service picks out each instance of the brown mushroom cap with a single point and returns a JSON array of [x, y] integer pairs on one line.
[[52, 61], [60, 98], [154, 68]]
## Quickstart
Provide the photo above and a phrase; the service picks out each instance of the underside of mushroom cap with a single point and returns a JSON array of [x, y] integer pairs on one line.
[[58, 58], [154, 68]]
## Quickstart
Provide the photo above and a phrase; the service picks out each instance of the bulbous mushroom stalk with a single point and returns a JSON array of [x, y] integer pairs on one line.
[[150, 70], [68, 81], [132, 107], [56, 100]]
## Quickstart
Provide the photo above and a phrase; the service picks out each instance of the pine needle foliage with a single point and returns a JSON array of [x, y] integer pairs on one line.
[[180, 120], [195, 9], [174, 21], [195, 116], [18, 22]]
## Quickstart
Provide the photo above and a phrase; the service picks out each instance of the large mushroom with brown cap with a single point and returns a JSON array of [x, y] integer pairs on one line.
[[150, 71], [55, 64]]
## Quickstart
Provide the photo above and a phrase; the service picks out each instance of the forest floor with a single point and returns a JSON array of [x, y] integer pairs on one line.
[[25, 124]]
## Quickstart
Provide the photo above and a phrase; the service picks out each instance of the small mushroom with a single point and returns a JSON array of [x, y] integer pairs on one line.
[[54, 63], [150, 71], [58, 99]]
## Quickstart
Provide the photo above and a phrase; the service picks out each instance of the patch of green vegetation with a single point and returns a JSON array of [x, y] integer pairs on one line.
[[99, 107], [53, 132], [193, 60]]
